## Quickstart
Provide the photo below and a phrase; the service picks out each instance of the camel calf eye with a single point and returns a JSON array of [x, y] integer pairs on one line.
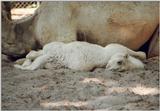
[[119, 62]]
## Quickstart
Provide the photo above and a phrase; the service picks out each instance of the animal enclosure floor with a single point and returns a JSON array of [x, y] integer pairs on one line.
[[62, 88]]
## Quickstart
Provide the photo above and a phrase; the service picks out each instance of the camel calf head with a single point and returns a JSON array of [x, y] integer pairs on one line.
[[123, 62]]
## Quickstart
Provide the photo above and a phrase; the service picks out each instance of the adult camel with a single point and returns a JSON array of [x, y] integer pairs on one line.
[[128, 23]]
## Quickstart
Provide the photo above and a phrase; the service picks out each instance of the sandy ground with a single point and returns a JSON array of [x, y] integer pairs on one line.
[[62, 88]]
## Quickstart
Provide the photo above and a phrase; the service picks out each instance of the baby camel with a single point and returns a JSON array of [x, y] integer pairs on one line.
[[82, 56]]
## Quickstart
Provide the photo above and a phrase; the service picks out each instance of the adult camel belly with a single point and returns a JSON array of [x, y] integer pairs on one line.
[[127, 23]]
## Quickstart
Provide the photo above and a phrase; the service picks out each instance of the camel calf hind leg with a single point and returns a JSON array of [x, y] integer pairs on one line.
[[34, 54], [27, 62], [38, 62]]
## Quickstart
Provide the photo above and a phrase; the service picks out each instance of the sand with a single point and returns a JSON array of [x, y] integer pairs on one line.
[[65, 89]]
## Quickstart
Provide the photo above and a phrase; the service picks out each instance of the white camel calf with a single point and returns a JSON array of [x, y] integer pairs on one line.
[[81, 56]]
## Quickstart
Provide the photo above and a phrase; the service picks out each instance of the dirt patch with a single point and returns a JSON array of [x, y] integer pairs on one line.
[[62, 88]]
